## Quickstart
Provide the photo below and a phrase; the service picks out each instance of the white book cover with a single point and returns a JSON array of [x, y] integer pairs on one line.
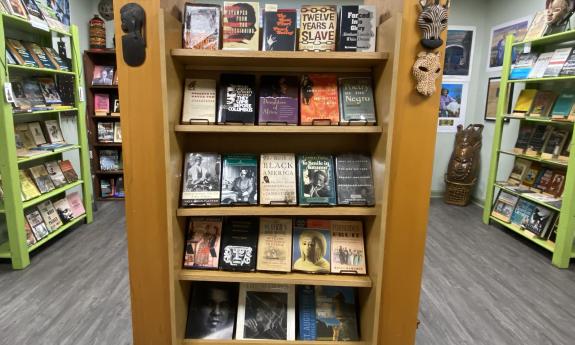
[[367, 28], [557, 62], [50, 215], [540, 66], [199, 101], [36, 131], [266, 312], [54, 131], [278, 179]]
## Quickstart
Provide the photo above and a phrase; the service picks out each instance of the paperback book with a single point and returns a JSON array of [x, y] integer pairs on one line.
[[522, 212], [531, 175], [117, 132], [523, 66], [76, 204], [63, 210], [540, 135], [311, 250], [540, 66], [357, 105], [20, 53], [237, 99], [212, 310], [524, 102], [543, 103], [106, 132], [42, 179], [543, 180], [563, 106], [336, 313], [239, 244], [504, 206], [275, 245], [539, 220], [29, 189], [50, 215], [37, 133], [554, 144], [39, 55], [520, 168], [280, 28], [103, 75], [101, 104], [201, 26], [316, 180], [36, 223], [35, 16], [557, 184], [347, 247], [537, 27], [557, 61], [319, 100], [30, 239], [306, 312], [354, 180], [357, 28], [68, 171], [241, 25], [34, 94], [17, 8], [201, 179], [278, 179], [318, 28], [60, 62], [568, 66], [55, 173], [199, 101], [279, 102], [239, 179], [54, 132], [110, 160], [203, 243], [49, 91]]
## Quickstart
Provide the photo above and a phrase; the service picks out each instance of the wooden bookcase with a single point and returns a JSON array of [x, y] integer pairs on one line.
[[100, 57], [401, 146]]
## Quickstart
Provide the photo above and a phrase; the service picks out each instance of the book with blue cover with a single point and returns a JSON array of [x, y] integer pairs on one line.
[[336, 315], [522, 212], [306, 312], [563, 106], [523, 66]]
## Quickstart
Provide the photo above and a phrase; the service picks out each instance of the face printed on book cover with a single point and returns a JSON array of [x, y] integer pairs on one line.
[[215, 311]]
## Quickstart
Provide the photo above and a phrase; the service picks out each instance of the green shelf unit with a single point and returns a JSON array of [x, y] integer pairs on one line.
[[511, 191], [540, 120], [15, 248], [562, 249]]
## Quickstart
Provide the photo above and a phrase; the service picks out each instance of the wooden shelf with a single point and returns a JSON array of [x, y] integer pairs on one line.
[[277, 278], [279, 129], [279, 59], [268, 342], [110, 87], [536, 159], [334, 211], [119, 145], [111, 172]]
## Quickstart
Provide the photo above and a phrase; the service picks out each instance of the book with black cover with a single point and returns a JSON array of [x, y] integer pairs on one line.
[[241, 25], [35, 15], [33, 93], [240, 179], [318, 26], [106, 132], [203, 243], [20, 53], [201, 179], [237, 101], [569, 65], [212, 310], [539, 220], [239, 244], [554, 144], [316, 180], [280, 29], [60, 62], [336, 313], [540, 135], [306, 312], [356, 102], [201, 26], [39, 55], [354, 180], [357, 28], [279, 102], [110, 160]]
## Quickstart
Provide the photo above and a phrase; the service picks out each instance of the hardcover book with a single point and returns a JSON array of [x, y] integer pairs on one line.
[[318, 26], [539, 220], [110, 160], [280, 28], [557, 184], [26, 138], [319, 100], [278, 179], [540, 135], [543, 103], [520, 168], [524, 102], [554, 144], [557, 61], [540, 66], [564, 155], [266, 311], [543, 180], [49, 90], [563, 106], [68, 171], [106, 132], [240, 179], [54, 132], [336, 313], [20, 53], [30, 239], [107, 188], [17, 8], [36, 223], [76, 204], [522, 212], [212, 310], [37, 133], [237, 98], [275, 245], [201, 26], [117, 132], [531, 176], [203, 243], [103, 75], [239, 244], [523, 66], [354, 180], [356, 102], [39, 55], [57, 60], [53, 15], [241, 25], [201, 179], [504, 205], [101, 104], [29, 189], [34, 94], [64, 210], [279, 102], [347, 247], [35, 16], [568, 66], [50, 215], [42, 179], [537, 27], [357, 28], [55, 173], [316, 180], [311, 250], [199, 101], [306, 312]]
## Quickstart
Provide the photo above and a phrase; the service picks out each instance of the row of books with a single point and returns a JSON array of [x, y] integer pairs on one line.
[[109, 132], [49, 216], [35, 94], [112, 187], [31, 137], [545, 103], [560, 62], [43, 178], [110, 160], [275, 245], [104, 76], [40, 14], [268, 312], [312, 99], [208, 182], [33, 55], [102, 105], [544, 141], [320, 28], [532, 177]]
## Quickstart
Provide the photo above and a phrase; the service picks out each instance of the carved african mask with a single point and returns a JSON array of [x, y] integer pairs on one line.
[[432, 21], [426, 70], [557, 10]]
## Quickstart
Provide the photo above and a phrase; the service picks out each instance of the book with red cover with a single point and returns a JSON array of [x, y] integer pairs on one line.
[[319, 101], [543, 103], [556, 185], [68, 171], [101, 104]]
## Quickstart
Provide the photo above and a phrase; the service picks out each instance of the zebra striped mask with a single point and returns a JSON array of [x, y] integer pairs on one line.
[[432, 21]]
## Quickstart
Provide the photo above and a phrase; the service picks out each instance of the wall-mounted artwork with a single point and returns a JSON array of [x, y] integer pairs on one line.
[[459, 52], [452, 106], [493, 98], [518, 28]]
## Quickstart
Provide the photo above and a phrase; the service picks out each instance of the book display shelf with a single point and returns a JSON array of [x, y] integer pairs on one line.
[[156, 141], [98, 119], [562, 248], [13, 208]]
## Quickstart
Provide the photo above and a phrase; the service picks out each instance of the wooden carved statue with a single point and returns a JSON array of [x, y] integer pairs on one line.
[[464, 163], [558, 14], [432, 21]]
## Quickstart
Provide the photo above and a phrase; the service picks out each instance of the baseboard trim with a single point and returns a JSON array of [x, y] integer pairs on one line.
[[436, 194]]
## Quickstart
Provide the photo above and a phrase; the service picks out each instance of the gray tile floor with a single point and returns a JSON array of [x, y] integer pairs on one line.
[[481, 286]]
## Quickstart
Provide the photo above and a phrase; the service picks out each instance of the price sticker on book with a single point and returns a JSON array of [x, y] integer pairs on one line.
[[81, 94], [527, 48], [8, 93]]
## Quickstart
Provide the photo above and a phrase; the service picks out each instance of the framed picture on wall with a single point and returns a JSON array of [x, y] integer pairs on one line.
[[452, 106], [493, 98], [518, 28], [459, 52]]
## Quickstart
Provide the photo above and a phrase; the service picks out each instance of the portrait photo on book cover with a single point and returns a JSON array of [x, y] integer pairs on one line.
[[212, 311], [311, 250], [239, 185], [317, 184], [203, 246], [103, 75], [202, 173], [201, 27], [266, 315]]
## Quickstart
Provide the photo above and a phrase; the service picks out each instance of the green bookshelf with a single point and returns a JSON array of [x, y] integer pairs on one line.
[[562, 250], [12, 208]]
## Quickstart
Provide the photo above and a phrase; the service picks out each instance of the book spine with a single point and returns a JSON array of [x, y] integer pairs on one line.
[[307, 317]]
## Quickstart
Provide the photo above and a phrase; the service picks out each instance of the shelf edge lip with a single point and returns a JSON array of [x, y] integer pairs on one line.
[[539, 119], [40, 70], [42, 112], [186, 52], [49, 154], [293, 129], [259, 210], [550, 246], [56, 232], [555, 38], [498, 185], [50, 194], [535, 158]]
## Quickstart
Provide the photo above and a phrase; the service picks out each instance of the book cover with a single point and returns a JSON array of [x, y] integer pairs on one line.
[[101, 104], [279, 102], [107, 188], [49, 90], [280, 28], [76, 204], [54, 132], [117, 132], [523, 66], [212, 310], [278, 179], [109, 160], [17, 8], [537, 27], [201, 179], [37, 133], [357, 105], [119, 190], [239, 244], [203, 243], [356, 28], [354, 180], [311, 250], [106, 132], [275, 245], [30, 239], [336, 313], [54, 15], [520, 168], [522, 212], [20, 53], [68, 171], [35, 16], [201, 26], [568, 66], [319, 100], [63, 210], [565, 153], [266, 311], [557, 61], [524, 102], [29, 189], [10, 59], [563, 106], [539, 220], [306, 312], [21, 103], [50, 215], [554, 144], [199, 101], [543, 180], [237, 100], [55, 173], [42, 179], [240, 179], [36, 223], [318, 26], [504, 205], [316, 180], [347, 247], [540, 135], [540, 66], [543, 103], [531, 175], [39, 55], [241, 25], [58, 61], [25, 135], [103, 75], [557, 184], [33, 93]]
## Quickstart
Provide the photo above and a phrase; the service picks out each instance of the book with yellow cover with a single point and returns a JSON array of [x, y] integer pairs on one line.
[[29, 189], [275, 245], [524, 102]]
